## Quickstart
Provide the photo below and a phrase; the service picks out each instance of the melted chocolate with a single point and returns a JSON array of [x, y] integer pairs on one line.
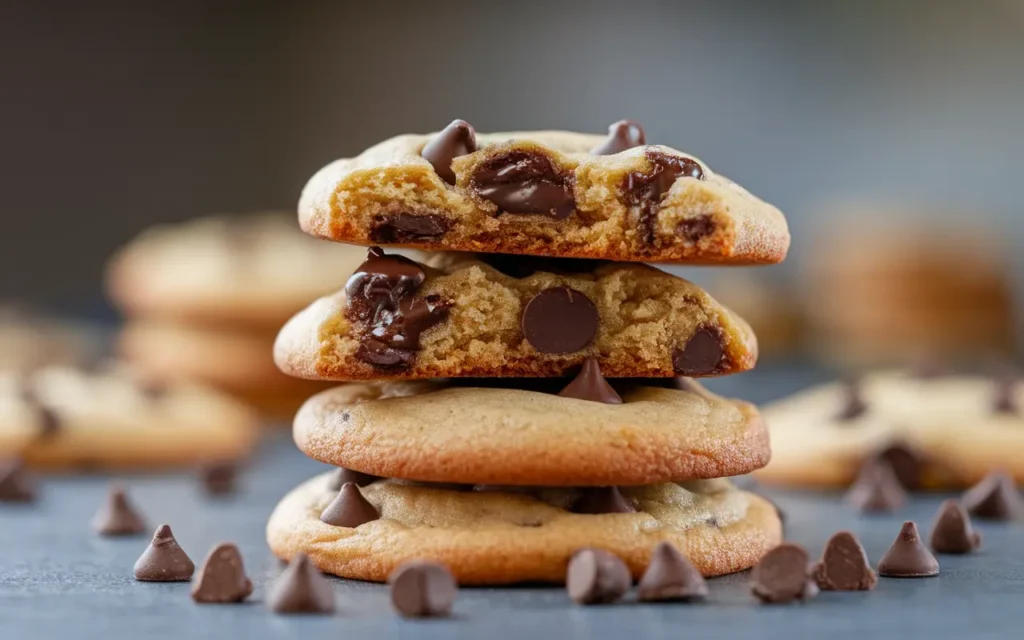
[[645, 190], [526, 183], [407, 227]]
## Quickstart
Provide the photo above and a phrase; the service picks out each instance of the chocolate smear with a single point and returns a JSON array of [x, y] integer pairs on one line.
[[703, 354], [117, 516], [164, 560], [457, 139], [622, 135], [783, 576], [589, 384], [644, 191], [559, 320], [15, 483], [222, 577], [670, 576], [995, 497], [854, 405], [595, 576], [342, 476], [349, 509], [844, 565], [876, 489], [522, 182], [908, 557], [301, 588], [421, 589], [952, 531], [398, 228], [598, 500]]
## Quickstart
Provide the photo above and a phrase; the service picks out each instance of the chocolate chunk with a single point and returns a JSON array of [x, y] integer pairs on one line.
[[598, 500], [382, 303], [342, 476], [222, 577], [783, 576], [671, 576], [163, 560], [301, 588], [219, 477], [1004, 399], [422, 589], [853, 401], [559, 320], [696, 228], [907, 463], [702, 355], [994, 498], [876, 489], [589, 384], [622, 135], [952, 531], [457, 139], [407, 227], [595, 576], [526, 183], [349, 508], [844, 565], [908, 557], [644, 191], [15, 483], [117, 516]]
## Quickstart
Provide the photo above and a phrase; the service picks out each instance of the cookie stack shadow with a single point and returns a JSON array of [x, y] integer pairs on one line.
[[526, 390]]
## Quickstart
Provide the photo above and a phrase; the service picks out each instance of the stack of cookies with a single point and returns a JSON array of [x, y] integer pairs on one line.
[[527, 391]]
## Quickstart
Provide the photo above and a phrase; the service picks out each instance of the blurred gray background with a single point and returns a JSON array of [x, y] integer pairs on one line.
[[116, 116]]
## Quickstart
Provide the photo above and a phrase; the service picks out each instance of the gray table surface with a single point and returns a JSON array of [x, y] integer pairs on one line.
[[58, 580]]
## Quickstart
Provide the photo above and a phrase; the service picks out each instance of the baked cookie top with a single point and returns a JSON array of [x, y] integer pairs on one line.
[[546, 193], [516, 316], [939, 431], [255, 269], [67, 418], [507, 436]]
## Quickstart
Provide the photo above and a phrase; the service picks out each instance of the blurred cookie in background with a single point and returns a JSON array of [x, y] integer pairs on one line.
[[770, 306], [29, 340]]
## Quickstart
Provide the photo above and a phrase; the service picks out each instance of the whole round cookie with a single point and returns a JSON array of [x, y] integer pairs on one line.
[[939, 431], [245, 269], [494, 535], [419, 431], [68, 419]]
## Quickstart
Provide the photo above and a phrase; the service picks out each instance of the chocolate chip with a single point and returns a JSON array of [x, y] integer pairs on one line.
[[301, 588], [422, 589], [559, 320], [595, 576], [907, 463], [908, 557], [783, 576], [163, 560], [222, 577], [219, 477], [1004, 400], [644, 191], [589, 384], [457, 139], [854, 405], [526, 183], [407, 227], [49, 419], [598, 500], [696, 228], [876, 489], [622, 135], [15, 483], [349, 508], [342, 476], [702, 355], [995, 497], [952, 531], [671, 576], [844, 565], [117, 516]]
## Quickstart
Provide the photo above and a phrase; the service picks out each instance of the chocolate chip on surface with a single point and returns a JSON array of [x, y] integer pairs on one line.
[[301, 588], [995, 497], [342, 476], [589, 384], [952, 531], [783, 575], [702, 354], [671, 576], [622, 135], [876, 489], [595, 576], [219, 478], [844, 565], [16, 485], [164, 560], [598, 500], [407, 227], [644, 191], [421, 589], [908, 557], [222, 577], [117, 516], [906, 462], [854, 405], [457, 139], [525, 183], [349, 508], [559, 320]]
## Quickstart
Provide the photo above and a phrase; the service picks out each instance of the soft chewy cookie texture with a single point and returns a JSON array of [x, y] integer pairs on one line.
[[490, 435], [514, 317], [550, 193], [491, 535]]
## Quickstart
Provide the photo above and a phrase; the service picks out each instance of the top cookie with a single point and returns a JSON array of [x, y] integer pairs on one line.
[[548, 193], [254, 269]]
